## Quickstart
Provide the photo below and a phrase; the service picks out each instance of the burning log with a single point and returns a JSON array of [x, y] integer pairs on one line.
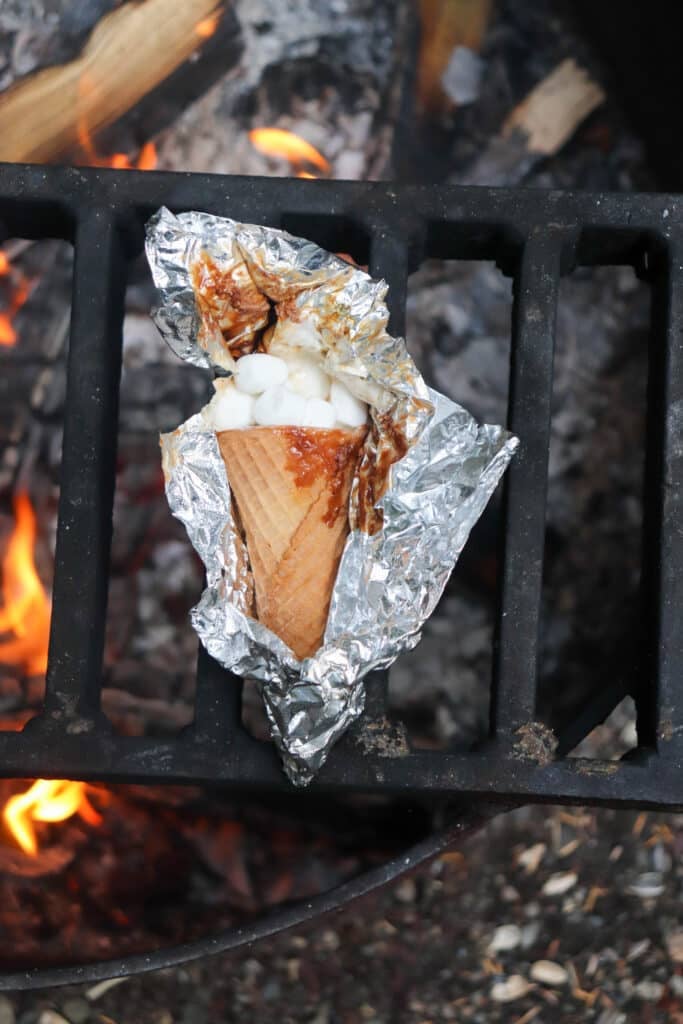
[[537, 127], [129, 53], [550, 114], [445, 25]]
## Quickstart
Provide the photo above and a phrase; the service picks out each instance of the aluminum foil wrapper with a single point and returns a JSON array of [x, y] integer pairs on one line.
[[426, 472]]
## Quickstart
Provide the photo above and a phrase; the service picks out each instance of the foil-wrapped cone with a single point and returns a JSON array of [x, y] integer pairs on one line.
[[426, 473]]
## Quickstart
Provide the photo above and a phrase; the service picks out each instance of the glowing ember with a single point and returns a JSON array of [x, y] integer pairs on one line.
[[207, 26], [25, 611], [146, 161], [280, 143], [46, 800], [147, 157], [8, 335], [20, 289]]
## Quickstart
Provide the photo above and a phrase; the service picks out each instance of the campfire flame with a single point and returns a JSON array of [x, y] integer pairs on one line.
[[47, 800], [280, 143], [25, 614], [207, 26], [25, 619], [25, 611], [146, 159], [20, 289]]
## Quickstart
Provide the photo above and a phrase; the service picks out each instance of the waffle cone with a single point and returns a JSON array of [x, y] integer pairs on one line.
[[291, 486]]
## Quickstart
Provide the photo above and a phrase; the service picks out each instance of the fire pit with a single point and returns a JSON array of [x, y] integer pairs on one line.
[[535, 237], [136, 753]]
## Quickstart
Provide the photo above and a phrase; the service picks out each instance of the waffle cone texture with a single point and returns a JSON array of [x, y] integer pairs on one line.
[[291, 488]]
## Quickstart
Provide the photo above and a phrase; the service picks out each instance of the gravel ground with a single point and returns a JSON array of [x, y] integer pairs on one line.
[[548, 915]]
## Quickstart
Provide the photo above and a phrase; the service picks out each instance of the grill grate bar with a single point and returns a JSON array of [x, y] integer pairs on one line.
[[389, 259], [529, 231], [218, 700], [88, 468], [245, 763], [660, 701], [531, 377]]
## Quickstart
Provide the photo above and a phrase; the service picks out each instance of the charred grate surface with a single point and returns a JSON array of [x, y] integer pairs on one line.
[[534, 236]]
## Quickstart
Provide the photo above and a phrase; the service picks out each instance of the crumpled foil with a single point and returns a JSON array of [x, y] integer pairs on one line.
[[401, 549]]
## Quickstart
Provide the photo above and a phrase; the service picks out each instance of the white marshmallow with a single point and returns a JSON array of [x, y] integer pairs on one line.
[[294, 335], [319, 414], [279, 407], [258, 372], [306, 377], [349, 410], [229, 409]]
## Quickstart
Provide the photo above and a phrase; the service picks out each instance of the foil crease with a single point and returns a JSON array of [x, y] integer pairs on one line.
[[390, 579]]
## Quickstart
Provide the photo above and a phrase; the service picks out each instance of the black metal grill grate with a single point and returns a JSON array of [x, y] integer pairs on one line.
[[534, 236]]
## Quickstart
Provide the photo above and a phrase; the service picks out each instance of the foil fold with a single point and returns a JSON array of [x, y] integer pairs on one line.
[[401, 548]]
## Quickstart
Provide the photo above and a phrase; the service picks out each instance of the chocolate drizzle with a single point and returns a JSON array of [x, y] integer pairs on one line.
[[315, 452]]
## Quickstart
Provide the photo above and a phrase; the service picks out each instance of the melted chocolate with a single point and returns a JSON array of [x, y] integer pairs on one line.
[[315, 453]]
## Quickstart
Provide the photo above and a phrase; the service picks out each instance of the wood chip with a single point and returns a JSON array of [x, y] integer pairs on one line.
[[103, 986], [560, 883], [505, 938], [674, 945], [551, 112], [293, 969], [491, 966], [547, 972], [528, 1016], [512, 988], [648, 990], [594, 894], [592, 965], [637, 950], [586, 997], [569, 848], [575, 820], [530, 858], [660, 834], [574, 979], [454, 858], [639, 824], [648, 886]]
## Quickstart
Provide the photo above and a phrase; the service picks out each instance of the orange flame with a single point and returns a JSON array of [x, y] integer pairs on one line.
[[25, 612], [280, 143], [207, 26], [47, 800], [20, 291], [147, 157], [146, 160]]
